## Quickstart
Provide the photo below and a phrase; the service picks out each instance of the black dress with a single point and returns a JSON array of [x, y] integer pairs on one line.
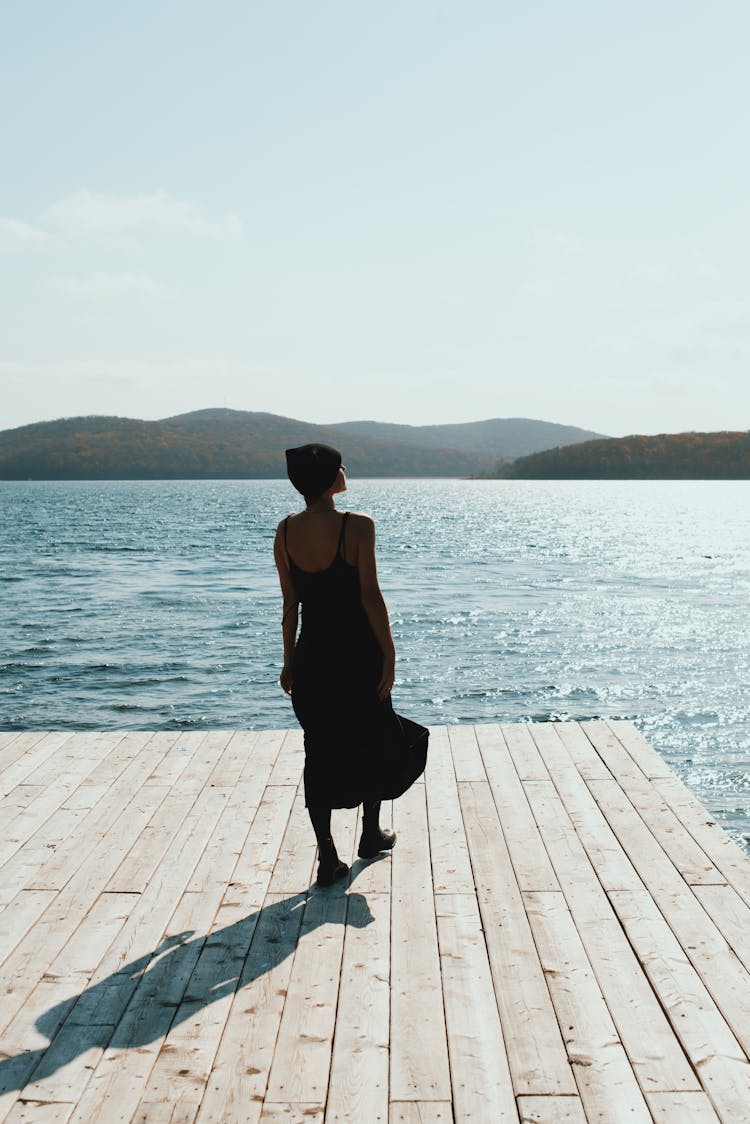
[[336, 669]]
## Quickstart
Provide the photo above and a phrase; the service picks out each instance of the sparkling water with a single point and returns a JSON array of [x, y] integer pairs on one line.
[[155, 605]]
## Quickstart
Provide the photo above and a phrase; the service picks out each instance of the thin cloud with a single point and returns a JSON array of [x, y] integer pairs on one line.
[[16, 232], [103, 286], [88, 213]]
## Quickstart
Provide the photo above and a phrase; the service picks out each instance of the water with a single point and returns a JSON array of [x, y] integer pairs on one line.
[[155, 605]]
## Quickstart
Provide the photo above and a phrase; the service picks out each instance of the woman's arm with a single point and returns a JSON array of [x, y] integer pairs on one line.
[[373, 603], [290, 617]]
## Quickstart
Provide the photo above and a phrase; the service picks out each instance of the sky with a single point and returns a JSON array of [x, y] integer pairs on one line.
[[418, 212]]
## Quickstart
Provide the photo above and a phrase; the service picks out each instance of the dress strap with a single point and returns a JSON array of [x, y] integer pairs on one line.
[[340, 549]]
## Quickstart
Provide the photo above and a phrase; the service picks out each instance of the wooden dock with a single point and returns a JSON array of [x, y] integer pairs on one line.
[[562, 933]]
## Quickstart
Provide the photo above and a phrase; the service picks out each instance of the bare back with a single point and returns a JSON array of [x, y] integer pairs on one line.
[[312, 539]]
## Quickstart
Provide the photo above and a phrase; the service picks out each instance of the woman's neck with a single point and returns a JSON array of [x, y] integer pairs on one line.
[[320, 507]]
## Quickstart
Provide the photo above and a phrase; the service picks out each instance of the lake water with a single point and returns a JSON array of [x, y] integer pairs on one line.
[[155, 605]]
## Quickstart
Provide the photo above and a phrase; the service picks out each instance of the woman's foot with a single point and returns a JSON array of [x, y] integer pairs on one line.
[[373, 842], [330, 866]]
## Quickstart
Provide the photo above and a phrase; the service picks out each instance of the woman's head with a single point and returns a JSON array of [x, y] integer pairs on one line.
[[314, 470]]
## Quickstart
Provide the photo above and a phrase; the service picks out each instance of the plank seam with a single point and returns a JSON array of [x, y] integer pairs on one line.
[[614, 912]]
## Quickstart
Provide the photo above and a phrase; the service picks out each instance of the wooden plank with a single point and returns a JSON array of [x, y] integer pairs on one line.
[[451, 869], [210, 750], [130, 746], [31, 958], [19, 915], [52, 1061], [681, 1108], [726, 856], [252, 874], [536, 1052], [261, 751], [159, 999], [156, 987], [481, 1081], [731, 916], [421, 1112], [467, 760], [66, 1067], [654, 1052], [134, 872], [38, 1112], [676, 841], [358, 1088], [219, 859], [419, 1050], [61, 778], [551, 1110], [93, 936], [218, 862], [606, 1083], [237, 1083], [293, 869], [707, 1038], [372, 876], [75, 838], [613, 867], [25, 754], [26, 1038], [302, 1058], [184, 1062], [526, 758], [527, 851], [300, 1113], [16, 801], [239, 749], [147, 921], [87, 749], [44, 849], [290, 760], [652, 764], [721, 971], [177, 750], [6, 737], [588, 765]]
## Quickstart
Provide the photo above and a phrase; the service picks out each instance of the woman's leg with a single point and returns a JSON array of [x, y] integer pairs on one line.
[[371, 817], [330, 866], [320, 818], [374, 837]]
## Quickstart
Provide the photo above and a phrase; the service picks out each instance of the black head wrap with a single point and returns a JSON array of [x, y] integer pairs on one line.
[[312, 468]]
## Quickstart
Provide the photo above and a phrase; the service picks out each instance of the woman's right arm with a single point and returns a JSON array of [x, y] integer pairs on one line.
[[290, 617], [373, 603]]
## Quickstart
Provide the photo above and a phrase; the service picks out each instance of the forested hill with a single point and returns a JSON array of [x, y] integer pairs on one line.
[[502, 438], [228, 444], [667, 456]]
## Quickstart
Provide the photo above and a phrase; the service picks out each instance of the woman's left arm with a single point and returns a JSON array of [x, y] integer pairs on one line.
[[290, 618]]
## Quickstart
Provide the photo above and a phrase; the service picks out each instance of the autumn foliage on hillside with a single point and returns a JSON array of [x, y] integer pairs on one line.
[[666, 456], [207, 444]]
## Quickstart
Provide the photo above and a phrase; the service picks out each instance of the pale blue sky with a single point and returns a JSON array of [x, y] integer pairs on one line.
[[417, 212]]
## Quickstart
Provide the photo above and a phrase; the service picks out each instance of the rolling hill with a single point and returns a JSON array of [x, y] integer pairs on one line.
[[227, 444], [237, 444], [502, 438], [665, 456]]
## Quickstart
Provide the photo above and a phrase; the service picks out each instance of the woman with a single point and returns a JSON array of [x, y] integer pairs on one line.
[[341, 669]]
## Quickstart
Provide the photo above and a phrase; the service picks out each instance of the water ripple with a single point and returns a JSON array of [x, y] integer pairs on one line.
[[155, 605]]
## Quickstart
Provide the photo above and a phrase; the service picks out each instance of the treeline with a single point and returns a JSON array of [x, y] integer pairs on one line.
[[207, 444], [666, 456]]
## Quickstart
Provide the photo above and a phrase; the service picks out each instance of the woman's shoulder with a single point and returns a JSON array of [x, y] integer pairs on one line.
[[359, 521], [282, 524]]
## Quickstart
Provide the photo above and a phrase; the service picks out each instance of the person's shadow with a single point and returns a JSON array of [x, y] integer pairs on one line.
[[183, 974]]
